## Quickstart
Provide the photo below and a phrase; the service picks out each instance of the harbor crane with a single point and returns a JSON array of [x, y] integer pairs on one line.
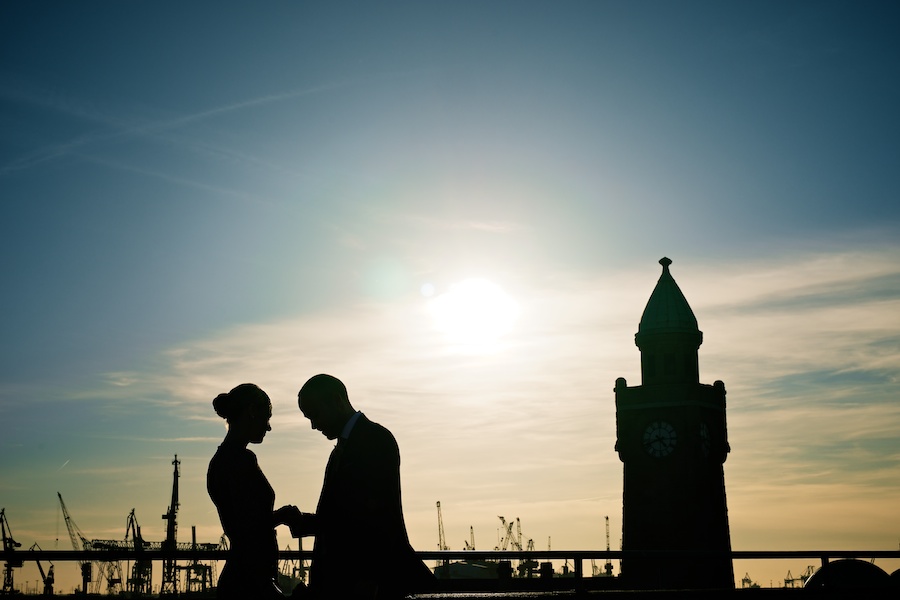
[[139, 581], [514, 542], [142, 569], [470, 543], [292, 572], [608, 567], [518, 538], [791, 581], [170, 574], [442, 540], [507, 534], [528, 566], [79, 542], [198, 577], [47, 577], [9, 544]]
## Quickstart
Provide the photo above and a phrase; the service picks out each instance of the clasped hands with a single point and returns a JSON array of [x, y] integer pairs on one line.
[[301, 524]]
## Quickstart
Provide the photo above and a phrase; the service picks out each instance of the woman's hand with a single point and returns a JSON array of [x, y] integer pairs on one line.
[[302, 524]]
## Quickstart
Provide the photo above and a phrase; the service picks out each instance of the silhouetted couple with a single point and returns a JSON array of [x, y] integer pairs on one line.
[[360, 497]]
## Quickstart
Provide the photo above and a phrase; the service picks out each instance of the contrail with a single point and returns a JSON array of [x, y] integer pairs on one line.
[[172, 179], [65, 148], [63, 465]]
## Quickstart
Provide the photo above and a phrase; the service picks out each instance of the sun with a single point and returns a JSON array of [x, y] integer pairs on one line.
[[474, 314]]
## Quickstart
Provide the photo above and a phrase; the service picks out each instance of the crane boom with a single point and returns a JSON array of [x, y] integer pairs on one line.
[[79, 542], [507, 533], [518, 534], [442, 540]]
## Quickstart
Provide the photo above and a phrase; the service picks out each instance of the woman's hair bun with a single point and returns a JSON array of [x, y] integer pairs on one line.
[[224, 406], [230, 405]]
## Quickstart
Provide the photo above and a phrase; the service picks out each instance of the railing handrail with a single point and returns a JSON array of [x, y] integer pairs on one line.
[[205, 554]]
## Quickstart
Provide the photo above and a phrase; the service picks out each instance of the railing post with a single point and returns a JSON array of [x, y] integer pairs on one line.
[[578, 563]]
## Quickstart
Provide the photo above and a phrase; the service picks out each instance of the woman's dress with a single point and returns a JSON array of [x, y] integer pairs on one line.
[[245, 502]]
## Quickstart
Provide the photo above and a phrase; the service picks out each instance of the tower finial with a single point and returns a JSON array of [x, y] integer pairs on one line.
[[665, 262]]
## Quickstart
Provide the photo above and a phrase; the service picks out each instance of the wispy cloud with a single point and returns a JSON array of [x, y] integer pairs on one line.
[[456, 223]]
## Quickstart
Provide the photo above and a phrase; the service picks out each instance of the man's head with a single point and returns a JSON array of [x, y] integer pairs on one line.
[[324, 401]]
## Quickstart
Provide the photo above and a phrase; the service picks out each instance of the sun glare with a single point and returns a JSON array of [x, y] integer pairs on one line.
[[474, 314]]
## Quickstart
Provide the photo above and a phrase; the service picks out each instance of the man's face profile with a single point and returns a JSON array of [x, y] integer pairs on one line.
[[323, 415]]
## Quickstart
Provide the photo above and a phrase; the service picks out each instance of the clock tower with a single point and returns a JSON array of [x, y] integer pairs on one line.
[[672, 439]]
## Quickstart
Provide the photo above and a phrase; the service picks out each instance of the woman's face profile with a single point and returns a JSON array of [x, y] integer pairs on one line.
[[258, 422]]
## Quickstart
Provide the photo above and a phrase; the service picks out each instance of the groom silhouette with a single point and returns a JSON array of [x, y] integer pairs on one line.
[[360, 494]]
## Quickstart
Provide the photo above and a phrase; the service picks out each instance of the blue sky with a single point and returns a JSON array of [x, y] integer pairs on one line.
[[200, 195]]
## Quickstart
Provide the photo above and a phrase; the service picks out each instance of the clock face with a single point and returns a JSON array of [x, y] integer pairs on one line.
[[659, 439]]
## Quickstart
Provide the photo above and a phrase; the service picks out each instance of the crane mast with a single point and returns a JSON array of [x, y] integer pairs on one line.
[[442, 540], [518, 534], [170, 575], [608, 567], [9, 544]]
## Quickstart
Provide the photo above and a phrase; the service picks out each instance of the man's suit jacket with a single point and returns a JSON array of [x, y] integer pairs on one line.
[[360, 532]]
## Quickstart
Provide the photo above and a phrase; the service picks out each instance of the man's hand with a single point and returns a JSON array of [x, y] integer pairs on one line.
[[301, 524], [286, 515]]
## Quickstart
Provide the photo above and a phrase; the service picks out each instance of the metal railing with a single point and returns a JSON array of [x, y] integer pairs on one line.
[[577, 557]]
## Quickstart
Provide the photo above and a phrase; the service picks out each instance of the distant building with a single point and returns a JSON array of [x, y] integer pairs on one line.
[[671, 437]]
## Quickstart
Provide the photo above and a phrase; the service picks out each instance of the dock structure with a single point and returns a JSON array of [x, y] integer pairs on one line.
[[578, 584]]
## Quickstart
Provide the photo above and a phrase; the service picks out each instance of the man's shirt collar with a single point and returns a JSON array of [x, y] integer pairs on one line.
[[348, 426]]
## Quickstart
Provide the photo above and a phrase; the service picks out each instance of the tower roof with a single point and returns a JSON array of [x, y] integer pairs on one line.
[[667, 309]]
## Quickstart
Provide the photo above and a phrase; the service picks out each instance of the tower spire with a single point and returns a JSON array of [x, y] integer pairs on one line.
[[667, 335], [667, 310]]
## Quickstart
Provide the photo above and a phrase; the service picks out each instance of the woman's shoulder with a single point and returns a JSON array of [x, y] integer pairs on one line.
[[232, 456]]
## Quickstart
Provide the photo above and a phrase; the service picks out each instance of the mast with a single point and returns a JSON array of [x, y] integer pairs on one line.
[[170, 577]]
